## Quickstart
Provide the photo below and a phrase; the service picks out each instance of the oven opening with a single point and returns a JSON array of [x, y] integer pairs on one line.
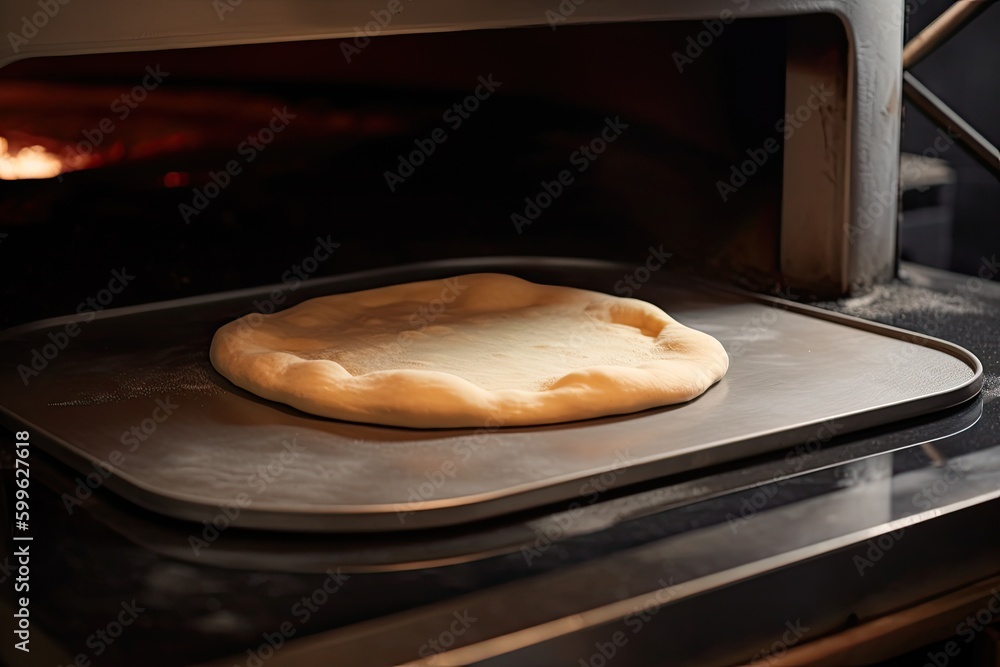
[[204, 170]]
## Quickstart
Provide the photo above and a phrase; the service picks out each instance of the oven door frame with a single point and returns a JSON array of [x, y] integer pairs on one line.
[[840, 200]]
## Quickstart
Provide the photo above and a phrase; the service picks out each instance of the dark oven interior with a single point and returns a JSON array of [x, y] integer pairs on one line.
[[212, 169]]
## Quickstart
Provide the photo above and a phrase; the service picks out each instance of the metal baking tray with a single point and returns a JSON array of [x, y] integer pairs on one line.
[[133, 395], [825, 472]]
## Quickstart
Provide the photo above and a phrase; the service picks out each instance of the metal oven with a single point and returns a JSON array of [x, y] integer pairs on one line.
[[167, 168]]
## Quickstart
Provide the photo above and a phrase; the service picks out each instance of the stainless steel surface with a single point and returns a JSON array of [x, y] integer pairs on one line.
[[945, 117], [558, 620], [795, 377], [392, 552]]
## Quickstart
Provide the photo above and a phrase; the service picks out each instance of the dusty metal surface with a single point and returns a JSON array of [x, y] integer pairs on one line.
[[794, 378]]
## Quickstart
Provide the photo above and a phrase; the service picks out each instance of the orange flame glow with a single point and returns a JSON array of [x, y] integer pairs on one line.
[[29, 162]]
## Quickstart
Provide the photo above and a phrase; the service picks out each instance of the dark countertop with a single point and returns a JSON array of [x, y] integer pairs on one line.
[[866, 523]]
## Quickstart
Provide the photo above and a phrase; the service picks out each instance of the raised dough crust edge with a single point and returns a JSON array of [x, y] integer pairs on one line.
[[433, 399]]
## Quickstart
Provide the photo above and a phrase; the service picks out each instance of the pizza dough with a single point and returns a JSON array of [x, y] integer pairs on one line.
[[474, 350]]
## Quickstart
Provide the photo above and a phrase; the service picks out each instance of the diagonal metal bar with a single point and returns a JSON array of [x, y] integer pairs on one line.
[[937, 33], [939, 112]]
